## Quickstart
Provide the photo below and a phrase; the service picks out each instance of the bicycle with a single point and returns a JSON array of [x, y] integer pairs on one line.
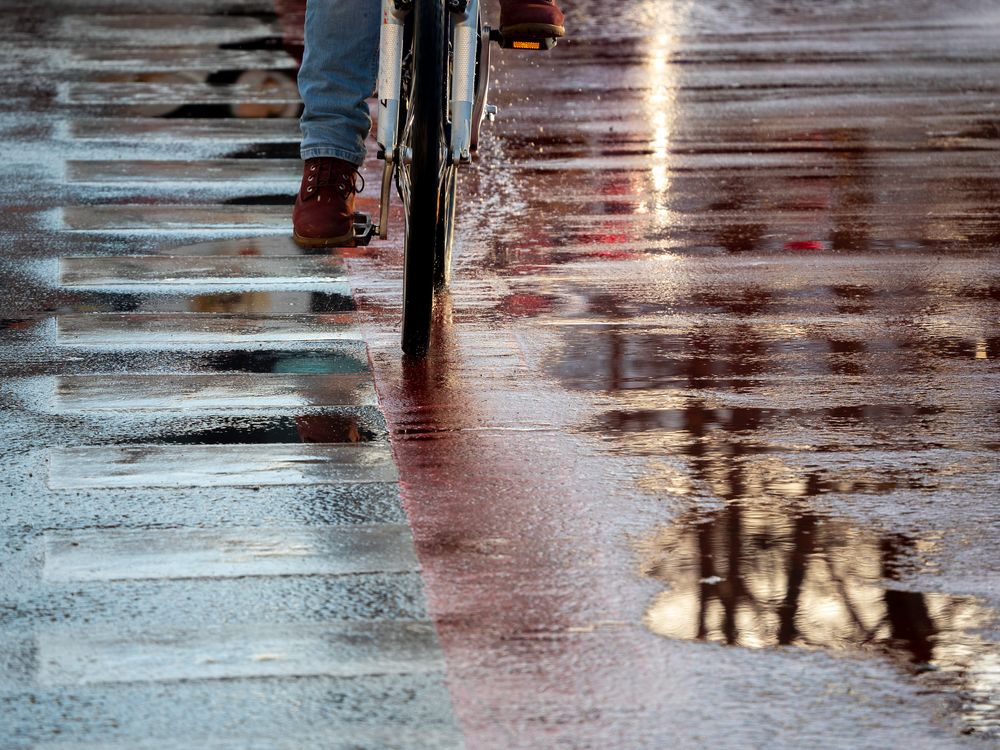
[[433, 85]]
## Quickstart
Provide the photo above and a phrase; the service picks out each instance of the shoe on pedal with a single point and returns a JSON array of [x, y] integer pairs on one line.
[[531, 24], [324, 208]]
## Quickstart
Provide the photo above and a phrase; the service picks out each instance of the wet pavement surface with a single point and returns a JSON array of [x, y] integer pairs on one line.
[[705, 454]]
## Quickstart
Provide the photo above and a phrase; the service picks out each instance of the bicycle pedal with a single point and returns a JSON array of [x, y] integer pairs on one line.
[[522, 42], [364, 229]]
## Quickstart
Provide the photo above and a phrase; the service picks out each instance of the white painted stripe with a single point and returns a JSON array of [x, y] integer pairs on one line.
[[330, 649], [216, 270], [149, 219], [184, 391], [176, 93], [129, 329], [337, 736], [164, 59], [125, 555], [219, 465], [147, 172], [252, 130], [266, 245], [159, 29]]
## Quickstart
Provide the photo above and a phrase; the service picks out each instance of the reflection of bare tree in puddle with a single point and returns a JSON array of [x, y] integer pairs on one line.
[[762, 577], [728, 456]]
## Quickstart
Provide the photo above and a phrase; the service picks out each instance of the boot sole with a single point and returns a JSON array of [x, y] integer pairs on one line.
[[345, 240], [533, 31]]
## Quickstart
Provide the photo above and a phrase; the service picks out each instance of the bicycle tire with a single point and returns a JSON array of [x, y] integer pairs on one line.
[[424, 140]]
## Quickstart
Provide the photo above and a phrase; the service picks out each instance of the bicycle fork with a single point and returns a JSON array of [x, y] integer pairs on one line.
[[467, 104]]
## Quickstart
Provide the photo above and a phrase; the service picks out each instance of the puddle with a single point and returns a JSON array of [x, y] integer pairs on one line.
[[273, 199], [16, 324], [226, 94], [868, 392], [328, 361], [187, 392], [245, 303], [277, 150], [211, 112], [761, 577], [747, 452], [617, 357], [324, 427]]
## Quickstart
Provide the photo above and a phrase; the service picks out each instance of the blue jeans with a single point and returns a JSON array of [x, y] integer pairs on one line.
[[338, 73]]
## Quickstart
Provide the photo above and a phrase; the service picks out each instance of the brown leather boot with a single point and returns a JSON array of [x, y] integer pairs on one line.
[[324, 209], [531, 19]]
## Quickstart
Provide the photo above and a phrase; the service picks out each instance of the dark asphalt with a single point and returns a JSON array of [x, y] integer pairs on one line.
[[705, 454]]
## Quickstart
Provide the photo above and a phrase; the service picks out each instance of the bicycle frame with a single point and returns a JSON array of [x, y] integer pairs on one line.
[[467, 106], [433, 78]]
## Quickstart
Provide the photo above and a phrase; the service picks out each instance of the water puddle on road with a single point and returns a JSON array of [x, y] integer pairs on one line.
[[328, 361], [13, 324], [255, 302], [748, 430], [323, 427], [761, 576]]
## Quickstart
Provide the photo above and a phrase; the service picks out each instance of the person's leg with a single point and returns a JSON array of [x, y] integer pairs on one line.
[[338, 73]]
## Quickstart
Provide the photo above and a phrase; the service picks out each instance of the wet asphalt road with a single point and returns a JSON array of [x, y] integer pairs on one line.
[[705, 456]]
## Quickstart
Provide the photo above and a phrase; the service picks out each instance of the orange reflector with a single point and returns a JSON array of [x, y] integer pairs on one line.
[[527, 45]]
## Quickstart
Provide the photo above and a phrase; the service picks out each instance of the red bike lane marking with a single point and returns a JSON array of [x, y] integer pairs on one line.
[[530, 586]]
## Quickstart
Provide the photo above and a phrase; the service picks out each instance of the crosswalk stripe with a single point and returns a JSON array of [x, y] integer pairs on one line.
[[349, 649], [133, 329], [253, 246], [185, 391], [210, 170], [96, 271], [132, 93], [243, 130], [162, 30], [255, 465], [338, 736], [145, 219], [126, 555], [195, 57]]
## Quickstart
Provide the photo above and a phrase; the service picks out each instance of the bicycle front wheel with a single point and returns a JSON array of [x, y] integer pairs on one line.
[[423, 172]]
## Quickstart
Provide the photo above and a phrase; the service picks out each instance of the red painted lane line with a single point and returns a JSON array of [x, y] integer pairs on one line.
[[526, 576]]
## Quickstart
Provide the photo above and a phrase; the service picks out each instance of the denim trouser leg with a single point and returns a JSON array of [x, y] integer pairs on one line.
[[338, 73]]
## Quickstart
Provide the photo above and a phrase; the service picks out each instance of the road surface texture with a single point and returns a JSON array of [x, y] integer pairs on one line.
[[705, 455]]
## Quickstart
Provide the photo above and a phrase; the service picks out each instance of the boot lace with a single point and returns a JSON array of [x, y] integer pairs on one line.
[[328, 174]]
